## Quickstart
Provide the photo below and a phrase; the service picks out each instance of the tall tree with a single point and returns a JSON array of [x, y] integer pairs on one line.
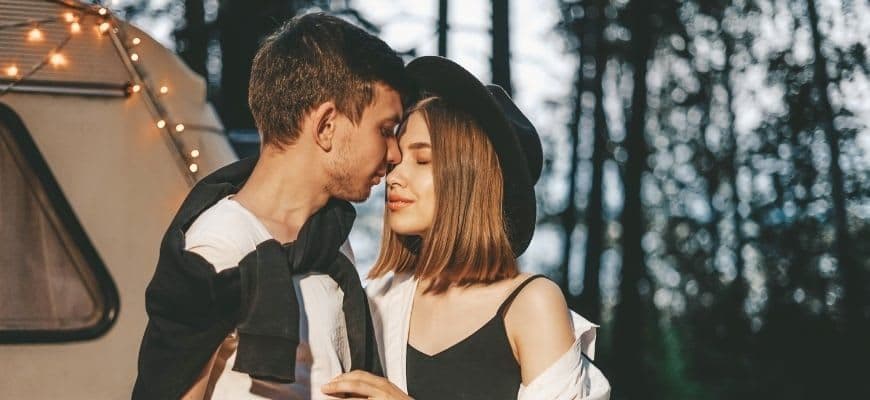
[[595, 45], [443, 27], [501, 53], [630, 317], [850, 270], [192, 39], [242, 25]]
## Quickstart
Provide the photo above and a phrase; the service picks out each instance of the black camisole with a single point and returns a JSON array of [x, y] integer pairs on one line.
[[480, 367]]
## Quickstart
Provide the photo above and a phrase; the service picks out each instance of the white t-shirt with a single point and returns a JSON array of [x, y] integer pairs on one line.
[[226, 233]]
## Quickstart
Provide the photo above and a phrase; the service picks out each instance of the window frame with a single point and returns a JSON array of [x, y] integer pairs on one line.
[[108, 315]]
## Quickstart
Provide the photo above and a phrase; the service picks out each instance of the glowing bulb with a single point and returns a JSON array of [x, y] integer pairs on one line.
[[194, 167], [161, 124], [194, 153], [11, 70], [164, 90], [134, 57], [136, 88], [104, 27], [75, 27], [103, 11], [69, 17], [136, 41], [179, 128], [34, 35], [57, 59]]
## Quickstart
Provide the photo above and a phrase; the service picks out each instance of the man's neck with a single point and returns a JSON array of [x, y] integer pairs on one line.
[[283, 192]]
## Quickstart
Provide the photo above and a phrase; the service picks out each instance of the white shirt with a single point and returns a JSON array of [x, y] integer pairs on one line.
[[226, 233]]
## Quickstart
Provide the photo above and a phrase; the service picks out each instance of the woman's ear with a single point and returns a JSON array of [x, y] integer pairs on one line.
[[324, 118]]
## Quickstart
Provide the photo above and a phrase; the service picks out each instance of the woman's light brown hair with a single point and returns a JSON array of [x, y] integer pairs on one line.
[[467, 242]]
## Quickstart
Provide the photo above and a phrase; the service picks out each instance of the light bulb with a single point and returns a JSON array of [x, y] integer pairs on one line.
[[161, 124], [136, 88], [69, 17], [75, 27], [194, 167], [194, 153], [164, 90], [104, 27], [136, 41], [34, 35], [179, 128], [57, 59], [103, 11], [11, 70], [134, 57]]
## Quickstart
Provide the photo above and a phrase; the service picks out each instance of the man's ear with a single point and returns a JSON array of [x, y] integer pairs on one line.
[[324, 118]]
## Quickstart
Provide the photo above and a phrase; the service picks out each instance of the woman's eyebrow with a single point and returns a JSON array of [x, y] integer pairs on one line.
[[419, 146]]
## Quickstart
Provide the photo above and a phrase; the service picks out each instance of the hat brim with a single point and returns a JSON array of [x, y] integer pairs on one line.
[[448, 80]]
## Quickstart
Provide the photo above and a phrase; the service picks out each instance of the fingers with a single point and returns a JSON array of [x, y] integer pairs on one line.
[[353, 387]]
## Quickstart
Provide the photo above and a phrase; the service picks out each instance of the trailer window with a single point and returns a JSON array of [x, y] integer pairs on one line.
[[53, 286]]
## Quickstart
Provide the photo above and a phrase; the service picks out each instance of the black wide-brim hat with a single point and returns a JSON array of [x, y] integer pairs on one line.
[[514, 138]]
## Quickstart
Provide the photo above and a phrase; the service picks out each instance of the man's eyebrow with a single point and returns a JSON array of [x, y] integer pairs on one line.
[[394, 119]]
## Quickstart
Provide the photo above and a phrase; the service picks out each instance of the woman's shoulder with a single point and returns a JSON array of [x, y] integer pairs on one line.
[[538, 298]]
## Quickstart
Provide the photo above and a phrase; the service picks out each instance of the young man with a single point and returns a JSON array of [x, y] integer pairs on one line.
[[255, 293]]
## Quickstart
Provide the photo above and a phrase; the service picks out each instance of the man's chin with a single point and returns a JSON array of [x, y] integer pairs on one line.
[[357, 196]]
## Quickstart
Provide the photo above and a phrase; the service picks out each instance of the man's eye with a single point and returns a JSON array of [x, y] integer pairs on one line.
[[387, 132], [423, 162]]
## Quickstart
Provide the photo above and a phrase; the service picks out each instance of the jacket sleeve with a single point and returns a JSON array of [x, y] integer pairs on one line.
[[573, 376], [191, 309]]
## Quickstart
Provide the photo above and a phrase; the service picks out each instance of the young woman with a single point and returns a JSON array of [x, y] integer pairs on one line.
[[453, 316]]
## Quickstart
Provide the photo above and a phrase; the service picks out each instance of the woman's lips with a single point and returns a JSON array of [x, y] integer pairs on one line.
[[396, 203]]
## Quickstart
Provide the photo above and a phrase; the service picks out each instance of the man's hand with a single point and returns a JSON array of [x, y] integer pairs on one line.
[[363, 385]]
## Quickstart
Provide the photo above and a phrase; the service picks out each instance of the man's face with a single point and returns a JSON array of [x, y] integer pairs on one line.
[[364, 150]]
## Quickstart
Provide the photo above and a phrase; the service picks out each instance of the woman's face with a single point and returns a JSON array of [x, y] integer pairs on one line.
[[410, 185]]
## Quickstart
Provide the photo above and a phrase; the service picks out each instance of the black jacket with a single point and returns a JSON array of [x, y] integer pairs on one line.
[[192, 309]]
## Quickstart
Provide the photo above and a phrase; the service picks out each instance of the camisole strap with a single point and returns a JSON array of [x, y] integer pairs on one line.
[[510, 299]]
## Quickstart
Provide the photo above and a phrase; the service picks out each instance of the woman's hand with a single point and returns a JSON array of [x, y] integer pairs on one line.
[[363, 385]]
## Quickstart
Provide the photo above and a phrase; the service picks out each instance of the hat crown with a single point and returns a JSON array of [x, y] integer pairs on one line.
[[525, 132], [513, 136]]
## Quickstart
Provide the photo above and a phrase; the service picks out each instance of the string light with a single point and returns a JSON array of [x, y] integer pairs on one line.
[[57, 59], [35, 35]]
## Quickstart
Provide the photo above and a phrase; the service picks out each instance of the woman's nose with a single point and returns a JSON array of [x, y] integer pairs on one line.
[[394, 156]]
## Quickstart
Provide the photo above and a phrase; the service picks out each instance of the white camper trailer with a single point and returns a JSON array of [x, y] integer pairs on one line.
[[102, 133]]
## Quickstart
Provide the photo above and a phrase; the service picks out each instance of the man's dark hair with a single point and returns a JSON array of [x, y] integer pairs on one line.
[[312, 59]]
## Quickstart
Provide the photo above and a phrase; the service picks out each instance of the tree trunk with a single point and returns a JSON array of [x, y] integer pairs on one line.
[[243, 24], [629, 323], [442, 27], [851, 272], [193, 38], [501, 54], [589, 303]]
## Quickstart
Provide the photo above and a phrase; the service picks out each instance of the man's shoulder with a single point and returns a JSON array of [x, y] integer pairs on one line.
[[223, 234], [225, 220]]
